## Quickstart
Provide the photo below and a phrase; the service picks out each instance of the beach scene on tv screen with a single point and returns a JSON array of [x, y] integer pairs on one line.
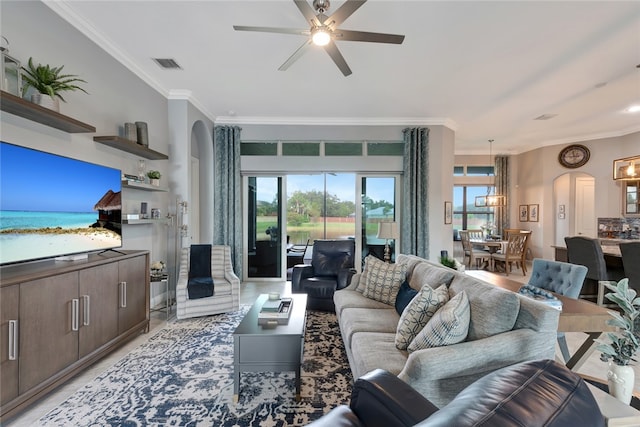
[[52, 205]]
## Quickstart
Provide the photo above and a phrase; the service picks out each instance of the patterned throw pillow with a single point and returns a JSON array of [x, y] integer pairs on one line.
[[418, 313], [449, 325], [383, 280]]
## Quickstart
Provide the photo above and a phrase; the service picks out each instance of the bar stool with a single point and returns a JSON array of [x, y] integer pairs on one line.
[[631, 262], [588, 252]]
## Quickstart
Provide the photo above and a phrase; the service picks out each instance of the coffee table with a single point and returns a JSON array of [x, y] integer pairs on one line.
[[269, 348]]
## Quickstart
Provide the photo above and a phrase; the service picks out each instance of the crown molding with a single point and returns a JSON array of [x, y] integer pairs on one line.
[[590, 137], [65, 11]]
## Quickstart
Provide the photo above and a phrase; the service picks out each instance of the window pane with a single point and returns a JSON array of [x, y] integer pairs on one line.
[[479, 170], [458, 171], [300, 149], [342, 149]]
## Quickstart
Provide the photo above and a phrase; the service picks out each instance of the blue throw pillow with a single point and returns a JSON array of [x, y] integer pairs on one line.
[[405, 295]]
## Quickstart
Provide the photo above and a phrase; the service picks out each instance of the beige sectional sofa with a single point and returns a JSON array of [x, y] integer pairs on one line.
[[504, 328]]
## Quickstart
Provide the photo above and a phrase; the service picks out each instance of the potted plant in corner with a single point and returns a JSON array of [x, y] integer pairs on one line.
[[49, 83], [624, 343], [154, 177]]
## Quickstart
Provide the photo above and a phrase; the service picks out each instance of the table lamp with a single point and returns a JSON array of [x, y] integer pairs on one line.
[[387, 230]]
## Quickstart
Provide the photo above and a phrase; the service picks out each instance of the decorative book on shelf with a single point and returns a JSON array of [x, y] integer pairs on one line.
[[275, 312], [541, 295]]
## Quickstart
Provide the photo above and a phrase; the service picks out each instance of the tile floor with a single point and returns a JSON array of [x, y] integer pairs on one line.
[[249, 291]]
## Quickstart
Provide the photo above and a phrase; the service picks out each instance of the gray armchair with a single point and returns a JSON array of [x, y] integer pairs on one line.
[[331, 269]]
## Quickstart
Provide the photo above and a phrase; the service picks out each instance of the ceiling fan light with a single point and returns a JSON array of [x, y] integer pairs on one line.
[[321, 37]]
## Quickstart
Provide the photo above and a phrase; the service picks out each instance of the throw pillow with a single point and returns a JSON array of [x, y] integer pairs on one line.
[[405, 295], [418, 313], [362, 284], [383, 280], [449, 325]]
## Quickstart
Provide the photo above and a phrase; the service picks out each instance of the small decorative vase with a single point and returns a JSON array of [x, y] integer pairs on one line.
[[154, 181], [143, 133], [45, 101], [621, 380]]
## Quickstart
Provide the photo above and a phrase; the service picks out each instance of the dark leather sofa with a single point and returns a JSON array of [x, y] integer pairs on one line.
[[537, 393], [331, 269]]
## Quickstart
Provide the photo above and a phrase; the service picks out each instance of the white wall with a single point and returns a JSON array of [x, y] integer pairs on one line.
[[115, 96], [537, 170]]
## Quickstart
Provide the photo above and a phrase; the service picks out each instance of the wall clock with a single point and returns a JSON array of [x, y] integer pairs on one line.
[[574, 156]]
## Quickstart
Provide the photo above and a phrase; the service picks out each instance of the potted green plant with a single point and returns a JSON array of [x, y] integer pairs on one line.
[[49, 83], [154, 177], [624, 344]]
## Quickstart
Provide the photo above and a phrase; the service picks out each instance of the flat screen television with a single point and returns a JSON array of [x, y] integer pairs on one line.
[[54, 206]]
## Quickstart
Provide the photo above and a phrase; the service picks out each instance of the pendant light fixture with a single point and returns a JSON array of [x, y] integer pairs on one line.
[[626, 169], [491, 200]]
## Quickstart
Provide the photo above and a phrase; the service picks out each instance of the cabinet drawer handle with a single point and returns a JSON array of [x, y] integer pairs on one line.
[[86, 312], [75, 304], [13, 339], [123, 294]]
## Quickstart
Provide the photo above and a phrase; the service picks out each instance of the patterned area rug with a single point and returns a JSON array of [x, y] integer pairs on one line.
[[183, 375]]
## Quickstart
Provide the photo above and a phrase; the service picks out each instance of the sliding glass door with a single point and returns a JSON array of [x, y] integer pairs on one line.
[[264, 225], [320, 206], [284, 212], [378, 205]]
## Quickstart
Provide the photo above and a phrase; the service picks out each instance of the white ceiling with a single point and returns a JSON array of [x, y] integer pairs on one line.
[[484, 68]]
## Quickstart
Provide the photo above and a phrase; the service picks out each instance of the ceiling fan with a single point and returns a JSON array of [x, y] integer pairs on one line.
[[324, 31]]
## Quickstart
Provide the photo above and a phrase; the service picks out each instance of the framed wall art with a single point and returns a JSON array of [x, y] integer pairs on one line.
[[523, 213], [448, 212], [533, 213]]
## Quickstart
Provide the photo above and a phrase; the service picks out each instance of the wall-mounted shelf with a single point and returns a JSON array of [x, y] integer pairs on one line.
[[144, 221], [20, 107], [130, 147], [142, 186]]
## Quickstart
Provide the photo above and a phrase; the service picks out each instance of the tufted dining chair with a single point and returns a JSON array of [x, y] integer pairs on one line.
[[563, 279]]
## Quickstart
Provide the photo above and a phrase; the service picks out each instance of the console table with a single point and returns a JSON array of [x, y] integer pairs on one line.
[[58, 317]]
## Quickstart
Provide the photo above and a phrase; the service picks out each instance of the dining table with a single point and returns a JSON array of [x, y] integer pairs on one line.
[[577, 315]]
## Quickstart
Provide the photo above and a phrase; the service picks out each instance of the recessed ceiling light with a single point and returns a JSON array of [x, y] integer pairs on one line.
[[634, 109]]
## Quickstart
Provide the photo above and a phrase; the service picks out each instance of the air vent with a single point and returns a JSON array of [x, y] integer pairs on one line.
[[167, 63], [545, 117]]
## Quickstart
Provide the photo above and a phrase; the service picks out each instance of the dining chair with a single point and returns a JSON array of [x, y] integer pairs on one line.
[[507, 231], [562, 278], [631, 262], [515, 251], [471, 254], [296, 254], [588, 252]]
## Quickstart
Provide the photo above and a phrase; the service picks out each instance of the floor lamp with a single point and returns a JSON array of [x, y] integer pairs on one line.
[[387, 230]]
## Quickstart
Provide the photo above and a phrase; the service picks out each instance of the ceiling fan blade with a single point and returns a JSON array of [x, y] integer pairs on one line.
[[364, 36], [343, 12], [272, 30], [308, 12], [296, 55], [337, 57]]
